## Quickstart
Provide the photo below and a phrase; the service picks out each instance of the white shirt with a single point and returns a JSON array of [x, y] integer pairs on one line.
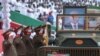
[[30, 14], [41, 9], [32, 35], [36, 15], [19, 31], [23, 9], [18, 6], [74, 21]]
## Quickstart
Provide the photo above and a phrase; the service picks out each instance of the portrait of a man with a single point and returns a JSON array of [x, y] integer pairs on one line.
[[73, 22], [94, 22]]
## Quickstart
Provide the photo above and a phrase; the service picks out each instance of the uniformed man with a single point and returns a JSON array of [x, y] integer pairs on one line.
[[8, 47], [27, 41], [20, 46], [18, 31]]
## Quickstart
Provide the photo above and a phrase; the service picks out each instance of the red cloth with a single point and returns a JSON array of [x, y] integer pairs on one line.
[[1, 40]]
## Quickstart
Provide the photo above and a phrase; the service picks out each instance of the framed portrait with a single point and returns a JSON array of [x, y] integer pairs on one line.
[[70, 22], [76, 22], [93, 21], [74, 9]]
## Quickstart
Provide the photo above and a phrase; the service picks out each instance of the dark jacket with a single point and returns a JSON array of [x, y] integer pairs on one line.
[[9, 49], [37, 42], [20, 46], [50, 19], [28, 44]]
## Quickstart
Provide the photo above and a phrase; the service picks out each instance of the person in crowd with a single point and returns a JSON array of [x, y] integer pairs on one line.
[[36, 12], [40, 17], [8, 47], [23, 9], [54, 13], [6, 24], [40, 8], [45, 16], [18, 6], [30, 11], [12, 4], [50, 18]]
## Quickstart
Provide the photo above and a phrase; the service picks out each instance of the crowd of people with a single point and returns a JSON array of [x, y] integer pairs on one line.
[[24, 41], [46, 11], [35, 10], [88, 3], [42, 10]]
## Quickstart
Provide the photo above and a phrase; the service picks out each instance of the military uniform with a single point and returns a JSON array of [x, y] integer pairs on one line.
[[37, 42], [20, 46], [28, 44], [9, 49]]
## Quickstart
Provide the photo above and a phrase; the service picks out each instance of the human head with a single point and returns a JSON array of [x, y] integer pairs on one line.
[[27, 30]]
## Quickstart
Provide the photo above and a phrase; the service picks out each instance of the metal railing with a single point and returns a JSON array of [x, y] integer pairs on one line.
[[70, 51]]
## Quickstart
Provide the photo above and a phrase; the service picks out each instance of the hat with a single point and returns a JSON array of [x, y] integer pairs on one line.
[[6, 34], [12, 34]]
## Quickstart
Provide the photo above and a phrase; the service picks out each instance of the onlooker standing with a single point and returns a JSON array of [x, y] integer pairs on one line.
[[18, 6], [40, 17], [23, 9], [8, 47], [30, 11], [45, 16], [50, 18]]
